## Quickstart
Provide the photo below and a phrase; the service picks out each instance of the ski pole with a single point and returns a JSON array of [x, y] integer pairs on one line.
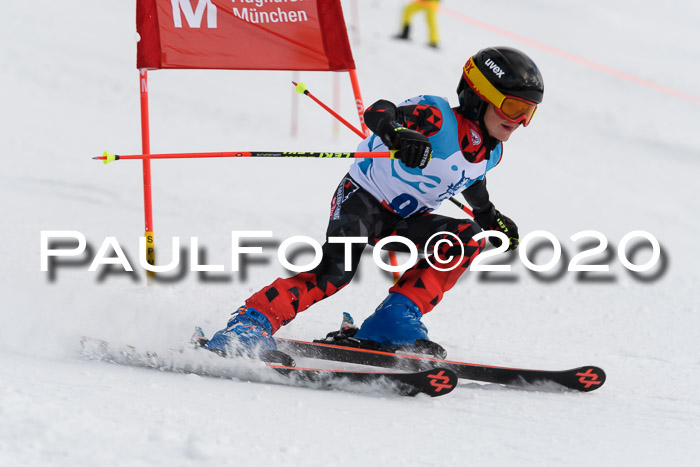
[[462, 207], [108, 157], [301, 89]]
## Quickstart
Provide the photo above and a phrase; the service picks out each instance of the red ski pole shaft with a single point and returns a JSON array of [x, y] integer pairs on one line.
[[462, 207], [108, 157], [301, 89]]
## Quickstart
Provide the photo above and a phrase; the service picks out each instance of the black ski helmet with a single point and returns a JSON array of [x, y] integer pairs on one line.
[[509, 70]]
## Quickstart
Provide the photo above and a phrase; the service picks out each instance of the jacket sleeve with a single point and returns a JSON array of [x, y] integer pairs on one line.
[[478, 198], [383, 116]]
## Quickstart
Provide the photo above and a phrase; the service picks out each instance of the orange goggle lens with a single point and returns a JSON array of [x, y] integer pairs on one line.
[[517, 110]]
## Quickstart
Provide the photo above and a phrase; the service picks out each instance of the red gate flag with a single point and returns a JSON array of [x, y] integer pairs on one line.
[[243, 35]]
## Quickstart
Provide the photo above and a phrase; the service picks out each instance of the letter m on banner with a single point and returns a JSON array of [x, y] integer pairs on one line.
[[193, 16]]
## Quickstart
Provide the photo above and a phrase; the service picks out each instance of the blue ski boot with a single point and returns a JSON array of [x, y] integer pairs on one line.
[[395, 323], [249, 333], [396, 326]]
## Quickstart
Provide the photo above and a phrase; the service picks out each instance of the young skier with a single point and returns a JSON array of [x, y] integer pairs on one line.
[[441, 151]]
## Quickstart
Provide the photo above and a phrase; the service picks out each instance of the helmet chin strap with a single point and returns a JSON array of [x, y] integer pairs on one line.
[[475, 113], [490, 142]]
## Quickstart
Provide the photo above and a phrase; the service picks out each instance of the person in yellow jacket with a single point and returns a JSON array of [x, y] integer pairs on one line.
[[431, 8]]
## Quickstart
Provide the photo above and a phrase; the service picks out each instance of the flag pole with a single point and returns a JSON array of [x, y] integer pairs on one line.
[[358, 101], [147, 198]]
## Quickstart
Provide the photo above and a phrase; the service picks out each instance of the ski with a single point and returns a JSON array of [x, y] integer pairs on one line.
[[584, 378], [431, 381]]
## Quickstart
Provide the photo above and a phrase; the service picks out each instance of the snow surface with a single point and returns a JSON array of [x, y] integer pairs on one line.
[[603, 153]]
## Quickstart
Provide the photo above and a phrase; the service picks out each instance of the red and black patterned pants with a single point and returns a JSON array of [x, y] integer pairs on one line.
[[356, 213]]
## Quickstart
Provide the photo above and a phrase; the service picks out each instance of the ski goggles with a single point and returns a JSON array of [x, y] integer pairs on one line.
[[513, 109]]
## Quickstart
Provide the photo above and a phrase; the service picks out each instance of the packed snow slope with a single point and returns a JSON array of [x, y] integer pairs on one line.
[[605, 152]]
